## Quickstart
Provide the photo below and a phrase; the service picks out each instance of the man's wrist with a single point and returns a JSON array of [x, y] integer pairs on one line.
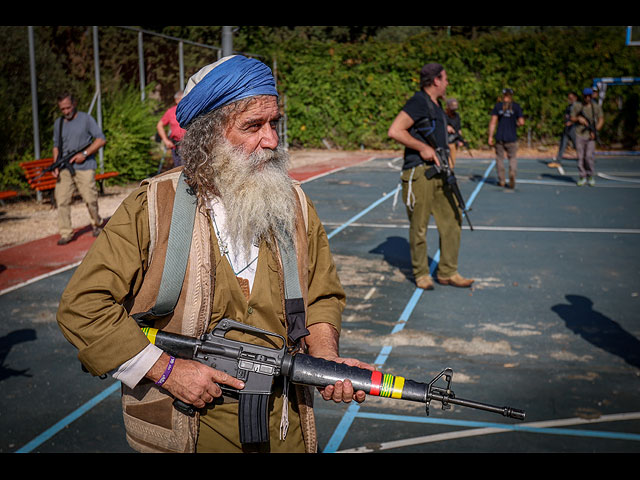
[[159, 368], [322, 340]]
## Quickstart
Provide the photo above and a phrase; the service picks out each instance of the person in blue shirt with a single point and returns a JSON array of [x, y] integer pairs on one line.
[[507, 117]]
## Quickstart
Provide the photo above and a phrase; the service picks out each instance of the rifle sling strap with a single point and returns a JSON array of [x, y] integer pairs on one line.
[[60, 152], [293, 300], [175, 266], [432, 116]]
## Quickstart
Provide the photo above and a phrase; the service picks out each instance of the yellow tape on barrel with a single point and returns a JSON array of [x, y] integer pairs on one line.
[[150, 333]]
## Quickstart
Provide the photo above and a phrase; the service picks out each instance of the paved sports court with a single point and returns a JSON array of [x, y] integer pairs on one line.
[[550, 327]]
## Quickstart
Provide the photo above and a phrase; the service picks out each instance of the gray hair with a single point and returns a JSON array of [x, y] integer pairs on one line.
[[200, 138]]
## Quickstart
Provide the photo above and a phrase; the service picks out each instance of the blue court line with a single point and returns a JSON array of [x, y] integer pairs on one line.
[[46, 435], [352, 411], [363, 212], [504, 426]]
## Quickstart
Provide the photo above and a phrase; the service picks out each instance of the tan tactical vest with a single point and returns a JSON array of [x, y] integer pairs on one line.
[[152, 423]]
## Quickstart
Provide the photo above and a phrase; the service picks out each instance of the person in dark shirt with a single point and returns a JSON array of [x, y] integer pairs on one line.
[[424, 196], [507, 117], [454, 128], [568, 132]]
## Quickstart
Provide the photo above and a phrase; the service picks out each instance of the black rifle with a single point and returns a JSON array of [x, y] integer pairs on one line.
[[62, 163], [456, 137], [258, 366], [424, 129], [591, 126]]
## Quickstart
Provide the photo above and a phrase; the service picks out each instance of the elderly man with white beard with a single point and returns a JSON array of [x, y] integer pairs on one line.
[[247, 209]]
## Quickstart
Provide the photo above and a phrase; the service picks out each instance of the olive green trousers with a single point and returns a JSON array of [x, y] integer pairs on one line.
[[425, 197]]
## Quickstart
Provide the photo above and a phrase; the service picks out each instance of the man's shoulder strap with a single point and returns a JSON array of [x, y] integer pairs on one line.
[[179, 244], [303, 203], [61, 122], [430, 105], [426, 125], [293, 298]]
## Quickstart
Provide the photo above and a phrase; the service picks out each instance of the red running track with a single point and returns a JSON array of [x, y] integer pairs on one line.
[[30, 261]]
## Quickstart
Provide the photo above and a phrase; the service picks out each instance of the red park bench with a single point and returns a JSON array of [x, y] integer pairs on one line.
[[7, 194], [46, 182]]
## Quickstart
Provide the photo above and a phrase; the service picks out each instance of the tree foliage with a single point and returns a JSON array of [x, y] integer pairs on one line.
[[343, 85]]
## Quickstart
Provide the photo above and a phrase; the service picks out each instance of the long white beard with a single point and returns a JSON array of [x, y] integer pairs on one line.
[[256, 192]]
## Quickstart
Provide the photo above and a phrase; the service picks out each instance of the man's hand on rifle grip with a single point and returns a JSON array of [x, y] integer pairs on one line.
[[193, 382], [427, 153]]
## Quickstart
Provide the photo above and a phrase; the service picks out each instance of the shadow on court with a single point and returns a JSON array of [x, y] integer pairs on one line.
[[395, 252], [598, 329], [7, 342]]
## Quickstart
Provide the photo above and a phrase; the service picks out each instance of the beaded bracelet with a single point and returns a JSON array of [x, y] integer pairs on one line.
[[167, 372]]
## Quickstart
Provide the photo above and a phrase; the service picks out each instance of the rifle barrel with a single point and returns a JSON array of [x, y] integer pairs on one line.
[[318, 372], [505, 411]]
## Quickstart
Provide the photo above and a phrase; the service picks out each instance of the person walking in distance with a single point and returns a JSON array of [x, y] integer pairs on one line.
[[506, 117], [589, 118]]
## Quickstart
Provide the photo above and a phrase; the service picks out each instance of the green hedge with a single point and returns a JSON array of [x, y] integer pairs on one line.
[[348, 94], [130, 126]]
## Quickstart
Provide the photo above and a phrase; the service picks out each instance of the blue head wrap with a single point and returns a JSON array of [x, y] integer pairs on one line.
[[227, 80]]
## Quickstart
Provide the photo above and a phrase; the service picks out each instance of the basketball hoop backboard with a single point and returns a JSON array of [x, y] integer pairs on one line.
[[633, 36]]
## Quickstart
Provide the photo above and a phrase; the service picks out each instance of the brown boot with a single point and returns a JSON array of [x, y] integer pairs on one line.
[[456, 280], [65, 240], [425, 282], [512, 181]]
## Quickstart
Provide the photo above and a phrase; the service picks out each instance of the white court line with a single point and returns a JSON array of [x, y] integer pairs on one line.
[[505, 228], [490, 430], [39, 277], [573, 184], [618, 179], [329, 172]]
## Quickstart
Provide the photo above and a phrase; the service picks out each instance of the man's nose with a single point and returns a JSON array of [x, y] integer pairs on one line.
[[269, 138]]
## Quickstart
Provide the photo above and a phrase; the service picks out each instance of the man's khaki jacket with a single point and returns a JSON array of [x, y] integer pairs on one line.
[[121, 274]]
